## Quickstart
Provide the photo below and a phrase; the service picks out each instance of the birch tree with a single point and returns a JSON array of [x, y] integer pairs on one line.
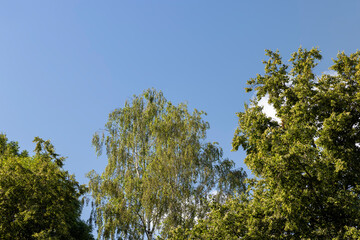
[[160, 169]]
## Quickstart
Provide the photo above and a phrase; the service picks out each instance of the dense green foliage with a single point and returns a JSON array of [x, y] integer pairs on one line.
[[306, 164], [160, 170], [161, 173], [38, 199]]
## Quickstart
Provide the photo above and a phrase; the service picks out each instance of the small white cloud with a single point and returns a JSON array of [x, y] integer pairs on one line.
[[213, 192], [331, 73], [268, 109]]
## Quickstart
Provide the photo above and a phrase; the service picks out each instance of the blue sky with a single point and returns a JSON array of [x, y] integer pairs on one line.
[[65, 65]]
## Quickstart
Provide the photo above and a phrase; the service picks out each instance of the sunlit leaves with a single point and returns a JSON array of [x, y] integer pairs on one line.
[[38, 199], [307, 164], [160, 169]]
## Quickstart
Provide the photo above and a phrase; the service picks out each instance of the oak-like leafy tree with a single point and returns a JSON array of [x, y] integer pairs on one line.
[[307, 164], [160, 170], [38, 199]]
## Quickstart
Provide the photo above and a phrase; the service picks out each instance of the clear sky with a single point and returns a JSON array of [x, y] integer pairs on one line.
[[65, 65]]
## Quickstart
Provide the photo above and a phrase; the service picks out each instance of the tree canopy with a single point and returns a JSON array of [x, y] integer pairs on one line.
[[160, 170], [306, 163], [38, 199]]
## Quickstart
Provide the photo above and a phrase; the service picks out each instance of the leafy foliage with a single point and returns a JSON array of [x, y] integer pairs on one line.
[[38, 199], [307, 164], [160, 171]]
